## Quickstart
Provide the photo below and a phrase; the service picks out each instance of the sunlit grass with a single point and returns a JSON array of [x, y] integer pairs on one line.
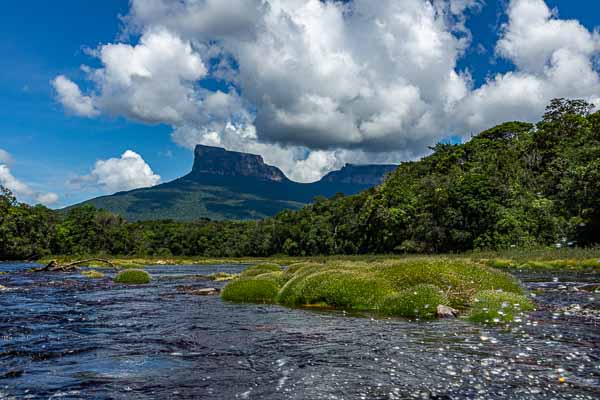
[[250, 290], [494, 307], [93, 274], [420, 301], [133, 277], [411, 287]]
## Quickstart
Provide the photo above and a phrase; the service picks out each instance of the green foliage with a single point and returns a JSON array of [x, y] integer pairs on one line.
[[515, 186], [494, 307], [251, 290], [260, 269], [420, 301], [133, 277]]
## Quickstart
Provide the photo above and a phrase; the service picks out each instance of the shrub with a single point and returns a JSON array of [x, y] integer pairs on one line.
[[250, 290], [420, 301], [260, 269], [494, 307], [93, 274], [133, 277]]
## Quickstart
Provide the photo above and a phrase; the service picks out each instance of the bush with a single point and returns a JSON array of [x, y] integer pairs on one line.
[[133, 277], [493, 307], [420, 301], [250, 290], [260, 269]]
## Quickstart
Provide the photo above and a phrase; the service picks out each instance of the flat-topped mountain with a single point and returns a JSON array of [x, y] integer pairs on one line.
[[237, 186]]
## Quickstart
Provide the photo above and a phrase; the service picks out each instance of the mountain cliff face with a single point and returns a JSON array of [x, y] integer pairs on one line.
[[237, 186], [359, 174], [218, 161]]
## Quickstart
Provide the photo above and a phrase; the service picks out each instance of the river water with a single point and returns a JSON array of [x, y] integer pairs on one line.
[[70, 337]]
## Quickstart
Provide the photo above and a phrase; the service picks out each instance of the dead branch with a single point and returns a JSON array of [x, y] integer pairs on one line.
[[54, 266]]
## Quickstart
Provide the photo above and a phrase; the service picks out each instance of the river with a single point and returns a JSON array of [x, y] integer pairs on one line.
[[70, 337]]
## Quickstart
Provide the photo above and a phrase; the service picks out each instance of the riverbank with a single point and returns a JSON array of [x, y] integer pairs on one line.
[[513, 259]]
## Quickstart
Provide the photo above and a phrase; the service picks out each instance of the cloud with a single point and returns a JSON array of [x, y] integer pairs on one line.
[[309, 84], [22, 190], [128, 172], [5, 157], [70, 96], [553, 58], [48, 198]]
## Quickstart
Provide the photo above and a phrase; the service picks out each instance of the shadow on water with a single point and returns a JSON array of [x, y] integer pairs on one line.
[[66, 336]]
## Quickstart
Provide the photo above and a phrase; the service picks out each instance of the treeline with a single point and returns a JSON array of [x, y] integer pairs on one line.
[[516, 185]]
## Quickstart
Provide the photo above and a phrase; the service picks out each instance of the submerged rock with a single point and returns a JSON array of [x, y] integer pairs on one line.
[[446, 312], [199, 292]]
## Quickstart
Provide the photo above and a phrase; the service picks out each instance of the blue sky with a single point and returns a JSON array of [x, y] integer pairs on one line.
[[50, 146]]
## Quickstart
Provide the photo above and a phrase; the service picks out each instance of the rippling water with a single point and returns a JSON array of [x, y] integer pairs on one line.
[[69, 337]]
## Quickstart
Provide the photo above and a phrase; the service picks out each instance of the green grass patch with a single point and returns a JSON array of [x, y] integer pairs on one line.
[[92, 274], [420, 301], [251, 290], [223, 276], [411, 287], [133, 277], [495, 307], [260, 269]]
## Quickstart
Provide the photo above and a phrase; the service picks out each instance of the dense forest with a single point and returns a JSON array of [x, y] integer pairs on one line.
[[515, 185]]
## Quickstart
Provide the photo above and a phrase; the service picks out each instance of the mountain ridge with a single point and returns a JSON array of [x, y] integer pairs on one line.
[[229, 185]]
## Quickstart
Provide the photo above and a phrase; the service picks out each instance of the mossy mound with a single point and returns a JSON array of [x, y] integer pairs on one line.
[[260, 269], [251, 290], [92, 274], [409, 288], [133, 277], [420, 301], [494, 307]]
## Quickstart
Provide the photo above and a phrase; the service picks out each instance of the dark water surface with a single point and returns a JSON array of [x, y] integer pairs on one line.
[[69, 337]]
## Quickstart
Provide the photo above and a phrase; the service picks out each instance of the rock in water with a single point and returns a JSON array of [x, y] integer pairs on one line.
[[199, 292], [446, 312]]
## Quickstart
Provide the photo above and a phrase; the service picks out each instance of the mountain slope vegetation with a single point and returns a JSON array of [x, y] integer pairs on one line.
[[516, 185]]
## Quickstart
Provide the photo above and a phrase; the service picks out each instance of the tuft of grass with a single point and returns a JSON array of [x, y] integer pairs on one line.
[[250, 290], [133, 277], [223, 276], [260, 269], [459, 279], [339, 289], [420, 301], [93, 274], [495, 307]]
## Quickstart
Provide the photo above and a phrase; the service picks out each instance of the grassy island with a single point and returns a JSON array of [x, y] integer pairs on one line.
[[412, 288]]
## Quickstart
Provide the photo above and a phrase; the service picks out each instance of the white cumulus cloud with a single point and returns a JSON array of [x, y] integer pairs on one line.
[[22, 190], [311, 84], [127, 172], [5, 157], [70, 96]]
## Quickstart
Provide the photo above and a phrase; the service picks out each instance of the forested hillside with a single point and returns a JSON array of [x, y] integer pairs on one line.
[[515, 185]]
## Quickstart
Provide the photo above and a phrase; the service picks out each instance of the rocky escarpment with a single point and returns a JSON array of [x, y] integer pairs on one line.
[[218, 161], [360, 174]]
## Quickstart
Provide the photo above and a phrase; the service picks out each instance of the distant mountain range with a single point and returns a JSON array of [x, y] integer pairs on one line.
[[227, 185]]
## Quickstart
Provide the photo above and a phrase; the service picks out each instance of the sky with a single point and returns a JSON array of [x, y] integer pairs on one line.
[[99, 97]]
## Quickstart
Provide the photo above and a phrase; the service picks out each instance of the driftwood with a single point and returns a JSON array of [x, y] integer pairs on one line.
[[54, 266]]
